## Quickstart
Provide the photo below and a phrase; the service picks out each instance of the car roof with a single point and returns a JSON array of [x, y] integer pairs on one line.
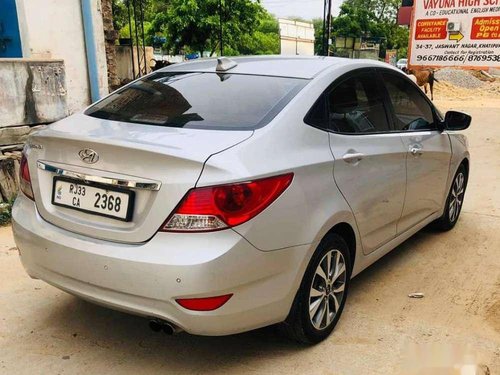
[[306, 67]]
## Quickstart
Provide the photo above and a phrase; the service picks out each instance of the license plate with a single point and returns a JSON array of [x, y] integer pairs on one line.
[[93, 198]]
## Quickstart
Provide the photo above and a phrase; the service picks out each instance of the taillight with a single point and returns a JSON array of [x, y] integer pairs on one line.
[[219, 207], [203, 304], [25, 178]]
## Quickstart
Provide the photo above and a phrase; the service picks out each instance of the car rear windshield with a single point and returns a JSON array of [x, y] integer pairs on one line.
[[200, 100]]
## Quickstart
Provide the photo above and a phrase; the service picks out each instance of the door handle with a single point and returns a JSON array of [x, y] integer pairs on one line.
[[353, 158], [416, 150]]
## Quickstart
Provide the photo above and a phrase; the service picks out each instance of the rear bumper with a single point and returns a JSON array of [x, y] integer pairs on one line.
[[145, 279]]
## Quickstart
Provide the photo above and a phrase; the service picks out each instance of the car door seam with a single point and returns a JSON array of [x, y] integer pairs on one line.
[[341, 193], [406, 185]]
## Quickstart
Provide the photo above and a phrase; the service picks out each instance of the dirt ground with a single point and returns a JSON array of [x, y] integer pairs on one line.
[[382, 331]]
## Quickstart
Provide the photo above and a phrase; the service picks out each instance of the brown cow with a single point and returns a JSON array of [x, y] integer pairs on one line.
[[424, 77]]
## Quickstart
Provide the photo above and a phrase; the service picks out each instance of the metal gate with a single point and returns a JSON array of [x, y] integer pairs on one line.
[[10, 40], [135, 10]]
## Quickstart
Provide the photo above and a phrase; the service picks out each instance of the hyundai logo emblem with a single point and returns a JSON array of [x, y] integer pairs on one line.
[[88, 155]]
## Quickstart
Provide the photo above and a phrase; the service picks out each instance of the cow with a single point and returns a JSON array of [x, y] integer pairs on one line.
[[424, 77]]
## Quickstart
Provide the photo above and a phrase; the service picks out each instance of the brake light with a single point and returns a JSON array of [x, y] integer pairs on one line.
[[204, 304], [25, 178], [219, 207]]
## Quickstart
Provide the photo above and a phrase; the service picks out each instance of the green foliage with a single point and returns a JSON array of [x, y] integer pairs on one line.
[[151, 9], [371, 18], [353, 21], [5, 213], [265, 40], [194, 26], [120, 15], [318, 35], [125, 32]]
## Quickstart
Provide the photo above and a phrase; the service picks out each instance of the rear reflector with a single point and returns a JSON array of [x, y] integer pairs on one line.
[[25, 178], [219, 207], [204, 304]]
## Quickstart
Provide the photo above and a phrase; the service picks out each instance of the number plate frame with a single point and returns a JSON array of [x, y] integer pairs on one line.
[[130, 193]]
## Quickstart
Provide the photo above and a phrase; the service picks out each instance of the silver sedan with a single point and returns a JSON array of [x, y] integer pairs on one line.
[[220, 196]]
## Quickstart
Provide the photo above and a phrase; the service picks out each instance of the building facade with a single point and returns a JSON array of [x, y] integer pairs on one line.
[[45, 30], [297, 38]]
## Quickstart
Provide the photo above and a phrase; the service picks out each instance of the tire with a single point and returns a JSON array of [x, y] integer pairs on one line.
[[454, 201], [314, 292]]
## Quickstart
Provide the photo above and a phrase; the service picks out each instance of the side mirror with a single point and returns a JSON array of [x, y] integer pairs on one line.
[[454, 120]]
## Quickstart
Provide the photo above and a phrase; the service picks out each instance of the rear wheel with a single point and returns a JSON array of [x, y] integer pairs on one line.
[[454, 201], [322, 294]]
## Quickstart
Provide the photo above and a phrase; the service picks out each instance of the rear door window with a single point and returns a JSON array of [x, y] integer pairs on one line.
[[200, 100], [356, 106]]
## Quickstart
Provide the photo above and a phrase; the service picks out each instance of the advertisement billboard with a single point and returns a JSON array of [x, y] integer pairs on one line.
[[463, 33], [391, 56]]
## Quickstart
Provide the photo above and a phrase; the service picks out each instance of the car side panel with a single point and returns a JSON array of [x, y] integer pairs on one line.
[[427, 175], [374, 186], [297, 216], [459, 152]]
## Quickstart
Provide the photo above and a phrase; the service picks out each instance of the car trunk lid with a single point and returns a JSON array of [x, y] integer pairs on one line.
[[159, 164]]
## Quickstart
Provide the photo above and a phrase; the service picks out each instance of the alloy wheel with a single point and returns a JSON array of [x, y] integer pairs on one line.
[[457, 196], [327, 289]]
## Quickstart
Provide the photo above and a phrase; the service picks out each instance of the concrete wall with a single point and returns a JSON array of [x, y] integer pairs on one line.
[[53, 29], [297, 38], [124, 62], [33, 92], [296, 47]]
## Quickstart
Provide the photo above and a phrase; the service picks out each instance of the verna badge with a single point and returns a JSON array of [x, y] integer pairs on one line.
[[88, 155]]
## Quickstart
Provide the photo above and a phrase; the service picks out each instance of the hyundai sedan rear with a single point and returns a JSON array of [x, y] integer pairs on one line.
[[220, 196]]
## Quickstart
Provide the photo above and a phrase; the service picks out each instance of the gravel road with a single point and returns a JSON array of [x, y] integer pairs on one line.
[[460, 78]]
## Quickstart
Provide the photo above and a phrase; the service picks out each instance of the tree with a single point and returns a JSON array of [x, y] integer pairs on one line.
[[371, 18], [264, 40], [196, 24], [318, 35], [121, 9], [120, 17]]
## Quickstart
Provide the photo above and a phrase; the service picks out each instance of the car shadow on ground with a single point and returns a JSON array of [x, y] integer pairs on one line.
[[390, 261], [123, 335]]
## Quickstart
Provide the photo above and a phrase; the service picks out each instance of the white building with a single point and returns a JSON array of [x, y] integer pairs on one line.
[[297, 38], [54, 29], [53, 63]]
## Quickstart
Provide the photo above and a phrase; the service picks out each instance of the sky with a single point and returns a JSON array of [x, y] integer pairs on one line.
[[307, 9]]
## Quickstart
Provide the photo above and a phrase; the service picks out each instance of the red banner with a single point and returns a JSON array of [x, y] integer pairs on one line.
[[431, 29], [485, 28]]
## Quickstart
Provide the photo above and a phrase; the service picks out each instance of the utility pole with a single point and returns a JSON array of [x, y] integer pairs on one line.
[[220, 30], [323, 34], [328, 27]]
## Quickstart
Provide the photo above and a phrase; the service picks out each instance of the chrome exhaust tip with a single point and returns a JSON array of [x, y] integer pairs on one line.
[[155, 325], [168, 328]]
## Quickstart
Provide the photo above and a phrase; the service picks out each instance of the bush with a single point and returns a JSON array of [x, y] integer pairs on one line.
[[5, 213]]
